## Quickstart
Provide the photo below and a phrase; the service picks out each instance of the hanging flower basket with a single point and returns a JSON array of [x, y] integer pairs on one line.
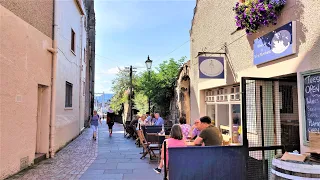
[[255, 13]]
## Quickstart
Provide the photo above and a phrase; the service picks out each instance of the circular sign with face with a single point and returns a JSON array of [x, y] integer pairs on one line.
[[211, 67], [281, 41]]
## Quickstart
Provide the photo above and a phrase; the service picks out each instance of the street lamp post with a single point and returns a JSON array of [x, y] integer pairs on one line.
[[149, 64]]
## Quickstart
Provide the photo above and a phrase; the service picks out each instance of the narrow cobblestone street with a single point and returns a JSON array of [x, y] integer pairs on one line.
[[110, 158]]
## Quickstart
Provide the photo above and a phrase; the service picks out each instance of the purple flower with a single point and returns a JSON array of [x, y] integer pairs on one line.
[[278, 2], [261, 8], [258, 13]]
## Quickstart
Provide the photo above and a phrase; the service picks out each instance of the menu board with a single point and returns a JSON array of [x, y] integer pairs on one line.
[[312, 103]]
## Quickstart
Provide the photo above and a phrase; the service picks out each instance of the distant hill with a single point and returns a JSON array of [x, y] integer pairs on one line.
[[103, 98]]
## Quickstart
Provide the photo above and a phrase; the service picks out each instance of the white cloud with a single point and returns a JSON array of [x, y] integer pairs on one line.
[[110, 71], [100, 88]]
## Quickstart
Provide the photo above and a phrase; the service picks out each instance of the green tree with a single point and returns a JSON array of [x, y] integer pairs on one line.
[[160, 86], [120, 85], [141, 102]]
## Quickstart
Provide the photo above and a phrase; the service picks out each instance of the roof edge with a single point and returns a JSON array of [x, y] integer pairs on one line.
[[194, 14]]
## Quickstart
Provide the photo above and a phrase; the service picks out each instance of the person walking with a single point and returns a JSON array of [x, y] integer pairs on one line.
[[110, 122], [94, 122]]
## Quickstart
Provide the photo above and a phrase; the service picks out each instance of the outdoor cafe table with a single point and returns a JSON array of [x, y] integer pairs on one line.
[[162, 137]]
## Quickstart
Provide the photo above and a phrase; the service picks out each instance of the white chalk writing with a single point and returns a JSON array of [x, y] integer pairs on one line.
[[313, 79]]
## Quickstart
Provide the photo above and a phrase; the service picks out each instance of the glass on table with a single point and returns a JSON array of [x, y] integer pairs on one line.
[[188, 138]]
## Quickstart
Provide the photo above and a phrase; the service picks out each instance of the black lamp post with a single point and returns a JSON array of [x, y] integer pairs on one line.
[[149, 64]]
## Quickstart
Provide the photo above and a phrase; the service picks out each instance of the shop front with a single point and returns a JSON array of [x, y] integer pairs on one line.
[[261, 89], [223, 107]]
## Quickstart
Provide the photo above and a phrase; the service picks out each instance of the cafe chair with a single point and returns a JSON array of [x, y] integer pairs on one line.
[[146, 146]]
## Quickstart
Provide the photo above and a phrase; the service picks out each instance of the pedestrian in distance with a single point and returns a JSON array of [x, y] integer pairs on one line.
[[94, 122], [110, 122]]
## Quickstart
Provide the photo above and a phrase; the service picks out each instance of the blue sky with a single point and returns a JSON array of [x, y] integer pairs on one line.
[[127, 31]]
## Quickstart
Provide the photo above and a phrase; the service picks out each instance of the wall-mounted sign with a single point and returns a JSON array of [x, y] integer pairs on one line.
[[211, 67], [312, 103], [276, 44]]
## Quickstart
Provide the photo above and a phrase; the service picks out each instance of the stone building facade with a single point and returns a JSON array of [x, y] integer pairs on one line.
[[180, 103], [214, 31], [43, 79], [90, 56], [25, 80]]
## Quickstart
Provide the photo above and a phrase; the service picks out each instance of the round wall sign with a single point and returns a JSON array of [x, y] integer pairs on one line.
[[211, 67], [281, 41]]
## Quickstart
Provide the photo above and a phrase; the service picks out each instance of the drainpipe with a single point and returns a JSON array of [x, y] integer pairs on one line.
[[81, 68], [54, 52]]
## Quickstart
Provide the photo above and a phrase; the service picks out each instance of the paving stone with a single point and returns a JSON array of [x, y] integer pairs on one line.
[[140, 176], [118, 171], [132, 165], [111, 158], [68, 163], [102, 176], [118, 160], [94, 171], [103, 166], [100, 161]]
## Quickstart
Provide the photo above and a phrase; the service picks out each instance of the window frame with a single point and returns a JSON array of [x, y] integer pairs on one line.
[[68, 95], [73, 41]]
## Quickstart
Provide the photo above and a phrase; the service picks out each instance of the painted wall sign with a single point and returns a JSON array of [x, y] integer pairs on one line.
[[276, 44], [211, 67], [312, 103]]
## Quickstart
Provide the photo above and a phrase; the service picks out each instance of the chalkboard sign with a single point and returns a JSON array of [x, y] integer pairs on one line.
[[312, 103]]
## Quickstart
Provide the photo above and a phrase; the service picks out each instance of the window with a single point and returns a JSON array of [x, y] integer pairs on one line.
[[68, 95], [286, 99], [73, 41]]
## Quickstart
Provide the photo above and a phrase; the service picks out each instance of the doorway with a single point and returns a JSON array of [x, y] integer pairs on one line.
[[270, 121], [40, 122]]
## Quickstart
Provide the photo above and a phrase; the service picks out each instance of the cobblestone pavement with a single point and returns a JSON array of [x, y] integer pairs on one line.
[[119, 159], [69, 163], [110, 158]]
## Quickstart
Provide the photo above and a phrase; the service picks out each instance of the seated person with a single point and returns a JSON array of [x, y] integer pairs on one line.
[[184, 127], [141, 121], [210, 135], [133, 125], [195, 132], [175, 140], [159, 121], [150, 120]]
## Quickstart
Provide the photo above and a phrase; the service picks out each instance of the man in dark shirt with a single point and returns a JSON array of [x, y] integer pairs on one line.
[[210, 135], [132, 126]]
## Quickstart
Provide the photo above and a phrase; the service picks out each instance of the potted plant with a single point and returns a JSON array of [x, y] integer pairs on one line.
[[253, 14]]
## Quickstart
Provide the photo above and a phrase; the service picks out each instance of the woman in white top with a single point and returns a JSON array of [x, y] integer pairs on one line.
[[141, 121]]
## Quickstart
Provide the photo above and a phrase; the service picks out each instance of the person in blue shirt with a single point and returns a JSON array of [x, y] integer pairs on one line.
[[150, 120], [94, 122], [159, 121]]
